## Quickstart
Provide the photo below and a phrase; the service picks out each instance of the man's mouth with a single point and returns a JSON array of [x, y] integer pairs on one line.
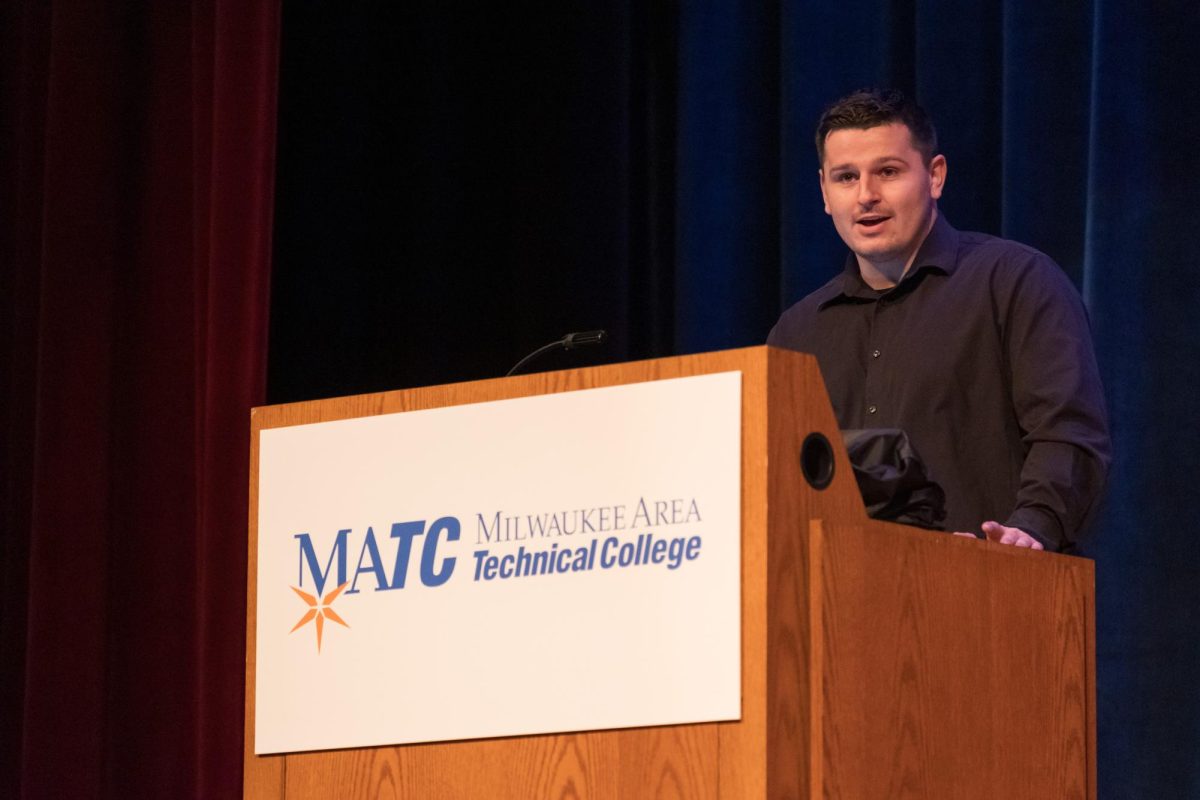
[[873, 220]]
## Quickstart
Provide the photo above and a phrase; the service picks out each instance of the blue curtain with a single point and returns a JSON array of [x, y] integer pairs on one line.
[[458, 189], [1070, 126]]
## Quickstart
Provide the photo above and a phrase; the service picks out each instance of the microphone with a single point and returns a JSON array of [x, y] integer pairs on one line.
[[568, 342]]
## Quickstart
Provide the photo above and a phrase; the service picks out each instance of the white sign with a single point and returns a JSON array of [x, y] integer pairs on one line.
[[547, 564]]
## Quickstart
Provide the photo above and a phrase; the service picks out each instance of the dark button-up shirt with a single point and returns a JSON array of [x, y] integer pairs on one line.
[[982, 354]]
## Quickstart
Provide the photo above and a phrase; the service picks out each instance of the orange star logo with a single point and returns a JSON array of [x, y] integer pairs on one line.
[[319, 610]]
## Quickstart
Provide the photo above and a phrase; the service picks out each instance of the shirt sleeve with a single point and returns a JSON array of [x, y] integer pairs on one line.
[[1059, 403]]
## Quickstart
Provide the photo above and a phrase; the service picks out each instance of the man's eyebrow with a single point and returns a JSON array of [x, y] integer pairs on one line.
[[876, 163]]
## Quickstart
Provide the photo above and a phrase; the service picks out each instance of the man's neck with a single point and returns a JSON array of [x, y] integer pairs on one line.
[[884, 274]]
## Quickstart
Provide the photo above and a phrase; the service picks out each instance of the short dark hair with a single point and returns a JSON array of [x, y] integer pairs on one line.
[[870, 108]]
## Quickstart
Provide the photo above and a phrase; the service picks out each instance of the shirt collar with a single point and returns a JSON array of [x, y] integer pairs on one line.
[[938, 253]]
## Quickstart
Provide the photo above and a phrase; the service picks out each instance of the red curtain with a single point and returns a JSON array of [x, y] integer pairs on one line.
[[136, 178]]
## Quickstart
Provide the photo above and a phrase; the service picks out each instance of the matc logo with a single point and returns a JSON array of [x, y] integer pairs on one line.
[[372, 566], [318, 609]]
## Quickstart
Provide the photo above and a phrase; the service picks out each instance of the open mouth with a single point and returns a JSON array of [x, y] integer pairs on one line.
[[871, 222]]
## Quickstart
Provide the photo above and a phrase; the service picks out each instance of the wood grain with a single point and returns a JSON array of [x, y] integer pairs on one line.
[[877, 661], [953, 667]]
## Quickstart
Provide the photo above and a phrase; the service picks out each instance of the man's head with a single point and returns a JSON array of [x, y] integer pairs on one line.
[[880, 178], [870, 108]]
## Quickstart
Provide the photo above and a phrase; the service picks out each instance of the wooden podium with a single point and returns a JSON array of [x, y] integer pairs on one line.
[[878, 661]]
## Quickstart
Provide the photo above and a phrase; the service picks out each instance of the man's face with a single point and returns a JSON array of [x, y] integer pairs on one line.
[[879, 191]]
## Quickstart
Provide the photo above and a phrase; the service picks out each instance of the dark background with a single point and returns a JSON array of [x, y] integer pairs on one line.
[[456, 189]]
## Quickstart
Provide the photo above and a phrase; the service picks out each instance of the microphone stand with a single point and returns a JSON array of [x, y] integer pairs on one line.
[[568, 342]]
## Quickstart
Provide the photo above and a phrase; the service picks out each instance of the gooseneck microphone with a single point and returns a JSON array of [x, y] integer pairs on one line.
[[568, 342]]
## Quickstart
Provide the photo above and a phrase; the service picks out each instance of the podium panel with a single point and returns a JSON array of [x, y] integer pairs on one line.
[[877, 660], [447, 574]]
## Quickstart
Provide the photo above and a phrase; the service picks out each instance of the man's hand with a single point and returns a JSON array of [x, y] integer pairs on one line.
[[996, 532]]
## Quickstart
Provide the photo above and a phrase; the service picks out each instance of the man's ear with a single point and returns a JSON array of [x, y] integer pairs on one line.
[[937, 176], [824, 197]]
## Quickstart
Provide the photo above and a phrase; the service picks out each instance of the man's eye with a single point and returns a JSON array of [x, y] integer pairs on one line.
[[845, 177], [889, 172]]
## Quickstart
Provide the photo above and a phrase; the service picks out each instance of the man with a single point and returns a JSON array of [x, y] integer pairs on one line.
[[975, 346]]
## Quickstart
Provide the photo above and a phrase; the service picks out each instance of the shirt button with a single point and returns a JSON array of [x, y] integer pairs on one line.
[[871, 409], [874, 354]]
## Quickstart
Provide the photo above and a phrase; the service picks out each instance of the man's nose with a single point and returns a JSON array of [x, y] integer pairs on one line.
[[868, 194]]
